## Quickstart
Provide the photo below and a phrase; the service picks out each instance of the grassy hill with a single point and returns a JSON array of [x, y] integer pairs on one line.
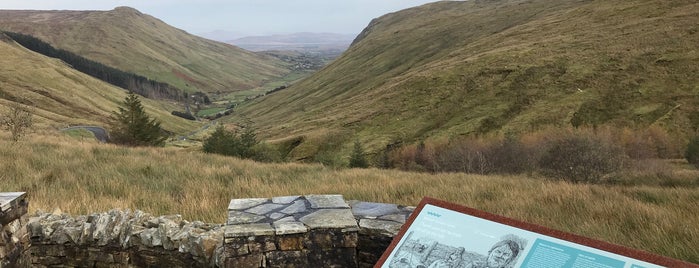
[[86, 177], [131, 41], [461, 68], [61, 96]]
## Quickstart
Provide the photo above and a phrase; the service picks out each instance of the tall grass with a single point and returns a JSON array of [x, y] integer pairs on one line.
[[82, 177]]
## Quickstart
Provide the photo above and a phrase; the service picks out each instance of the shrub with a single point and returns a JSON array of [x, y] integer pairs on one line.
[[692, 152], [18, 120], [581, 158]]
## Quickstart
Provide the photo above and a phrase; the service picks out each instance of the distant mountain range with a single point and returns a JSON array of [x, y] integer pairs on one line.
[[461, 68], [296, 41]]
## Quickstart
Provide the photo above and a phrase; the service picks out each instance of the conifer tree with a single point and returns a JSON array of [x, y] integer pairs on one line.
[[132, 126], [357, 159]]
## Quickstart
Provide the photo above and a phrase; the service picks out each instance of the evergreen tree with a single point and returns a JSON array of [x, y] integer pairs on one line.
[[357, 159], [132, 126]]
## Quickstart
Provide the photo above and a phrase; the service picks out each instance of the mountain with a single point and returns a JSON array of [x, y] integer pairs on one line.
[[131, 41], [221, 35], [61, 96], [295, 41], [458, 68]]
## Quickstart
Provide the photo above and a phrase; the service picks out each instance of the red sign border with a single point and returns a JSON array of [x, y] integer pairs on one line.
[[594, 243]]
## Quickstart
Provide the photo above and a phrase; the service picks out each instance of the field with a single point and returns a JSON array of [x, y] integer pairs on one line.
[[79, 176]]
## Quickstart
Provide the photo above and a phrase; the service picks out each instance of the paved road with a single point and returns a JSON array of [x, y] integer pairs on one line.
[[100, 133]]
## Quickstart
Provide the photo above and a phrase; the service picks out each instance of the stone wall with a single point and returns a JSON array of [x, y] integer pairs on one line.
[[13, 237], [292, 231], [122, 238]]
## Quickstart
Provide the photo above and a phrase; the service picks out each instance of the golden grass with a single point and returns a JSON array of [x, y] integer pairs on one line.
[[84, 177]]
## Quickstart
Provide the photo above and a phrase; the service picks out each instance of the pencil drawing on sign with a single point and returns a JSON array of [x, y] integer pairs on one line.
[[422, 251]]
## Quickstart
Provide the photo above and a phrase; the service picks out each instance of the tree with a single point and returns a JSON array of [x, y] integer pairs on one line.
[[132, 126], [18, 120], [229, 143], [357, 159]]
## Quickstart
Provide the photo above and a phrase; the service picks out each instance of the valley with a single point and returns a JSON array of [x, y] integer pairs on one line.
[[575, 115]]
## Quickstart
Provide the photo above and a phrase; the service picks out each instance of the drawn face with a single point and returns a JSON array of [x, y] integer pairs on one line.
[[499, 257]]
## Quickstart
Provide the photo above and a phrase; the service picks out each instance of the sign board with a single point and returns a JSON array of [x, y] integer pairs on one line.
[[440, 234]]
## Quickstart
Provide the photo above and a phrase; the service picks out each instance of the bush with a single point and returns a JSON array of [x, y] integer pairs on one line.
[[581, 159], [692, 152]]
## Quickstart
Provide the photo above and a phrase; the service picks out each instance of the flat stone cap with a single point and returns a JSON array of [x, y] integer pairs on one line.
[[10, 200], [244, 230]]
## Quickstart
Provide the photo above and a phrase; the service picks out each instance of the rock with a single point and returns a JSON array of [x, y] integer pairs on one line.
[[327, 201], [330, 219]]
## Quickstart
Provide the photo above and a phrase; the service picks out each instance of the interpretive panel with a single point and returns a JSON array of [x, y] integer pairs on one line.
[[440, 234]]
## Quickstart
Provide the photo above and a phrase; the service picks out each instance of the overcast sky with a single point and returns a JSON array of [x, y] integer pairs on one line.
[[248, 17]]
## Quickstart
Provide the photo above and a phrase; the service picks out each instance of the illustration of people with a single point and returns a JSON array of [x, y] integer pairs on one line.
[[453, 260], [500, 255]]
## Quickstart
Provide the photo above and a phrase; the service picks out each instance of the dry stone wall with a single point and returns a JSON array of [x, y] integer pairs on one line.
[[291, 231], [13, 237]]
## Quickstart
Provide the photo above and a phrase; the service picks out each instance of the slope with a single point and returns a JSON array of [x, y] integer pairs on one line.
[[454, 68], [61, 96], [131, 41]]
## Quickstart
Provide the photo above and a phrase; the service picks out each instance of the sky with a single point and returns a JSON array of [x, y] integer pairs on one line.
[[243, 17]]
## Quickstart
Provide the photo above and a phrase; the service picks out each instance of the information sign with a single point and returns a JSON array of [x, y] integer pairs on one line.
[[440, 234]]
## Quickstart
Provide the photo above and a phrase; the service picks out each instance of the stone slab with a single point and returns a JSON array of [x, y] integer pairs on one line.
[[399, 218], [284, 228], [385, 228], [264, 209], [369, 209], [238, 217], [330, 218], [327, 201], [285, 199], [242, 204], [8, 200], [256, 229], [299, 206]]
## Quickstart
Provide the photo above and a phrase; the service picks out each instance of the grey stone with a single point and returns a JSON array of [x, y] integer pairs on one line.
[[285, 199], [242, 204], [264, 209], [399, 218], [380, 227], [257, 229], [237, 217], [330, 218], [287, 219], [298, 206], [283, 228], [327, 201], [369, 209], [276, 216]]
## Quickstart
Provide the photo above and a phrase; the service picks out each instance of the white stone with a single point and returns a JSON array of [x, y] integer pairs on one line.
[[257, 229], [298, 206]]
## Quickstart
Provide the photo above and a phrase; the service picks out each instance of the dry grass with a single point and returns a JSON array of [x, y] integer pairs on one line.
[[81, 177]]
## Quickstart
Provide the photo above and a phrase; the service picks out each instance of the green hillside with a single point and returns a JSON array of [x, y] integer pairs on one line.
[[131, 41], [458, 68], [61, 96]]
